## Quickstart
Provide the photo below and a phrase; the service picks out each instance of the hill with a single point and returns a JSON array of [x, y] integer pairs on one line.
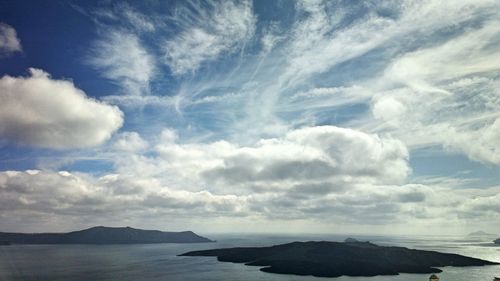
[[104, 235]]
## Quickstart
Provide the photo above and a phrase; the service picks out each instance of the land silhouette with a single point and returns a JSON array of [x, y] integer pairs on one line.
[[104, 235], [334, 259]]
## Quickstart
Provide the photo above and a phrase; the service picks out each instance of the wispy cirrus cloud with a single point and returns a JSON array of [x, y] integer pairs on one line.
[[9, 42], [322, 38], [122, 58], [444, 95], [207, 33]]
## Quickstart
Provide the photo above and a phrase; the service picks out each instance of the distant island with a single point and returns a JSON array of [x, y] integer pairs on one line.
[[334, 259], [103, 235], [497, 241], [351, 240], [479, 234]]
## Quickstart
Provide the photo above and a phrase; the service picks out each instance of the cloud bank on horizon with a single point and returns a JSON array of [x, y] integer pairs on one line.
[[328, 116]]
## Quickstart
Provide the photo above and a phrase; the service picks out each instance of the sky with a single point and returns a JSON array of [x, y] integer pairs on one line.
[[375, 117]]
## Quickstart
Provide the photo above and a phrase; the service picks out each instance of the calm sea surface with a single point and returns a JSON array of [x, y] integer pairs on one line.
[[159, 261]]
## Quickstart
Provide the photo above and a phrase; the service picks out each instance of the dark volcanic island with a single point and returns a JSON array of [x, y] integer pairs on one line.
[[334, 259], [104, 235]]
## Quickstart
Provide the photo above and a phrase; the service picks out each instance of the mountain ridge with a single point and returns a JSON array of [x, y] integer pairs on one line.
[[104, 235]]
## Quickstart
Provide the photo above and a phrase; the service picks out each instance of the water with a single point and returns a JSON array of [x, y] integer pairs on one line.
[[159, 261]]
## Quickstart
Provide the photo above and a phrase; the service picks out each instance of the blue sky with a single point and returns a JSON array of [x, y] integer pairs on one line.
[[318, 115]]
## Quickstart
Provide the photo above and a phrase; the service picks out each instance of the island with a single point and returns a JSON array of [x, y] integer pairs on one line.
[[351, 240], [104, 235], [480, 233], [334, 259], [497, 241]]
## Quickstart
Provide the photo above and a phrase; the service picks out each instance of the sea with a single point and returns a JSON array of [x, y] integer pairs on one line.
[[161, 261]]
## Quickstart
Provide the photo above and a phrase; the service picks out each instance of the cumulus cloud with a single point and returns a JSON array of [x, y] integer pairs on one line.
[[122, 58], [40, 111], [9, 42], [55, 196], [324, 153], [305, 160], [226, 26], [320, 174]]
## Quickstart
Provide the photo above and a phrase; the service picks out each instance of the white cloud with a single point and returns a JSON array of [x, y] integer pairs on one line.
[[136, 101], [220, 31], [480, 144], [308, 156], [389, 109], [130, 141], [9, 42], [138, 20], [445, 95], [46, 198], [404, 74], [320, 41], [44, 112], [312, 176], [326, 35], [121, 57], [272, 35], [123, 14], [52, 197]]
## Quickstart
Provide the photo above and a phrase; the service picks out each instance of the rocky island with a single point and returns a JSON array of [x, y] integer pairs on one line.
[[334, 259], [104, 235]]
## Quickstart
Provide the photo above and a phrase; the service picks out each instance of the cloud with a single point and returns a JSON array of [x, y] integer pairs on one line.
[[121, 57], [324, 153], [122, 14], [136, 101], [325, 46], [222, 29], [53, 197], [310, 177], [130, 141], [40, 111], [389, 109], [305, 160], [384, 78], [445, 95], [138, 20], [9, 42]]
